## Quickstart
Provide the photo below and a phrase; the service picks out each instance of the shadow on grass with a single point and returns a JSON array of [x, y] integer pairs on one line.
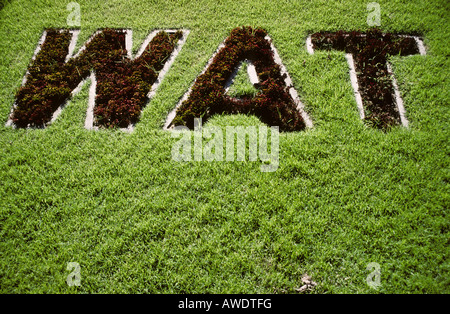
[[3, 3]]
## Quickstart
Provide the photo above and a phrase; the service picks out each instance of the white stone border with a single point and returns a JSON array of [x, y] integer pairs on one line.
[[89, 121], [172, 114], [253, 78], [398, 98], [354, 80], [292, 91]]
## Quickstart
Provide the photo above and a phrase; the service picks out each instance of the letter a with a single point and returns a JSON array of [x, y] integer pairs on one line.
[[276, 104]]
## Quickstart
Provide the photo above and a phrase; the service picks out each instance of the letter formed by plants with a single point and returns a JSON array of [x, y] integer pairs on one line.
[[123, 84], [275, 104], [382, 105]]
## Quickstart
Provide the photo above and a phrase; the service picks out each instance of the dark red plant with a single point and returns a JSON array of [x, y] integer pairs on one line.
[[122, 84], [370, 52], [273, 104]]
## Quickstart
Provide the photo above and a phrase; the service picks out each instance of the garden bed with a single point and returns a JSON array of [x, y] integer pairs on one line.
[[370, 52], [273, 105], [122, 84]]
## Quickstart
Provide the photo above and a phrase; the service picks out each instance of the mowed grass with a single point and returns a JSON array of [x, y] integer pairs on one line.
[[136, 221]]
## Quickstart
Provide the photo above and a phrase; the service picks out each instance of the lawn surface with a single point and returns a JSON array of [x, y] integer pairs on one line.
[[344, 195]]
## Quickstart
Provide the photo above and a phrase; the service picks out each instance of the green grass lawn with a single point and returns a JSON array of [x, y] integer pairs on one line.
[[136, 221]]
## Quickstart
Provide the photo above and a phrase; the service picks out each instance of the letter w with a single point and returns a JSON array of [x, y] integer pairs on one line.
[[121, 85]]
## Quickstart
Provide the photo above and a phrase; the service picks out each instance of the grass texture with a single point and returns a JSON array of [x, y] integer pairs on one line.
[[344, 195]]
